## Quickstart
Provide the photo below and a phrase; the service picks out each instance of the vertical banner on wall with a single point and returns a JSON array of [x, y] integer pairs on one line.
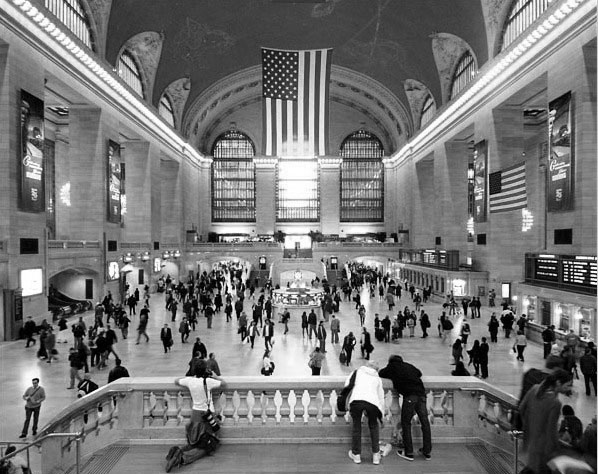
[[480, 166], [31, 169], [114, 182], [560, 161]]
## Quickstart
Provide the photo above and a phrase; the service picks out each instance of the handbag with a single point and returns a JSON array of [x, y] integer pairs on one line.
[[342, 357], [208, 416], [341, 401]]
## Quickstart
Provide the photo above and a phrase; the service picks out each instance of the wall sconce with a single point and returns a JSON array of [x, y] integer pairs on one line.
[[128, 257], [176, 254], [166, 255], [145, 256]]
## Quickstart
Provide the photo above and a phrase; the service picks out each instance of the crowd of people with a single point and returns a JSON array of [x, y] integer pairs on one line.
[[227, 290]]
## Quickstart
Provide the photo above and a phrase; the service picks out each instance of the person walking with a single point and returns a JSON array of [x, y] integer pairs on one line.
[[366, 344], [587, 365], [548, 339], [132, 303], [212, 364], [34, 396], [199, 348], [519, 345], [184, 330], [75, 365], [111, 339], [123, 323], [50, 343], [166, 338], [268, 333], [540, 410], [242, 319], [406, 379], [335, 327], [321, 335], [366, 397], [117, 372], [312, 321], [315, 361], [349, 343], [143, 320], [484, 350], [474, 357], [252, 332], [493, 326], [304, 325], [29, 329], [424, 322], [457, 351], [465, 332], [361, 313], [200, 387]]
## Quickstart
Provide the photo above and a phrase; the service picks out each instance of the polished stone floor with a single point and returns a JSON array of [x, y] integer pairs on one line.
[[290, 353]]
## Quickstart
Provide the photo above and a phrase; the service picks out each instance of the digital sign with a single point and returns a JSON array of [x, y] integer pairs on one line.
[[32, 281], [578, 271], [547, 269], [113, 271]]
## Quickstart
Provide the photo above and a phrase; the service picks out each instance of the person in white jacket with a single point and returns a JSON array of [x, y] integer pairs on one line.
[[367, 396]]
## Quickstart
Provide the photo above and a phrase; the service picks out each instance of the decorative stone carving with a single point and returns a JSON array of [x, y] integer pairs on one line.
[[99, 14], [447, 49], [416, 93], [178, 91], [147, 48], [196, 41], [495, 14]]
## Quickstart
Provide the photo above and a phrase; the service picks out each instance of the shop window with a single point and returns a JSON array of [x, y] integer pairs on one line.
[[563, 315]]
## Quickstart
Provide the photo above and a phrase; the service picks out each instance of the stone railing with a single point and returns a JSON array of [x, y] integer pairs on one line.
[[272, 409], [213, 246]]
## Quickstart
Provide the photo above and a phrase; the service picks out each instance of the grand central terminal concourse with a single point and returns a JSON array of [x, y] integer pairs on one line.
[[298, 236]]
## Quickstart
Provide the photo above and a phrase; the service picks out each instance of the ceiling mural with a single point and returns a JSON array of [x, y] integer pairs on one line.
[[196, 41]]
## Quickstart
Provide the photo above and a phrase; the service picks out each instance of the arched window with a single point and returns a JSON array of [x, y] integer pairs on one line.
[[233, 178], [362, 178], [428, 111], [129, 72], [521, 15], [72, 15], [464, 73], [166, 110]]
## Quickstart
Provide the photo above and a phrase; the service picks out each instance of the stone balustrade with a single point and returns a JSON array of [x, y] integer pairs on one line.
[[268, 409]]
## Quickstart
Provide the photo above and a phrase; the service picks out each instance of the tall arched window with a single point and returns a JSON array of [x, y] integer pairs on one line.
[[428, 111], [129, 72], [521, 15], [166, 110], [464, 73], [362, 178], [72, 15], [233, 178]]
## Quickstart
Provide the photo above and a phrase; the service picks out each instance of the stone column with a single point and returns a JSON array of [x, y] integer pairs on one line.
[[138, 162], [171, 202]]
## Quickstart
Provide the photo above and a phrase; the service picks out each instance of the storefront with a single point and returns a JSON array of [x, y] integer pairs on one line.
[[565, 310]]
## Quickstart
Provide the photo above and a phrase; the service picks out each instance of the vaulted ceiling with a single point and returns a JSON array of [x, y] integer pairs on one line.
[[392, 43]]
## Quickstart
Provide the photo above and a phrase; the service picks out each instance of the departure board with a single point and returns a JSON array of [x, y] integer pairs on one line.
[[579, 271], [547, 269]]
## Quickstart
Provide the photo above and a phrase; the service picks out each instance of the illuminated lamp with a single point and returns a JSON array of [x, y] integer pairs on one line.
[[176, 254], [166, 255], [128, 257], [145, 256]]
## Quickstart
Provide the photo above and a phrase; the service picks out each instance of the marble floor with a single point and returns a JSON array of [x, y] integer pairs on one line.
[[291, 353]]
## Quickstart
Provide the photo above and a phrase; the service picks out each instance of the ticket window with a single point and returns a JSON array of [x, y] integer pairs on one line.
[[262, 263], [333, 263]]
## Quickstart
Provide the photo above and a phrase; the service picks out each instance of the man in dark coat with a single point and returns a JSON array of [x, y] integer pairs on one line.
[[166, 338], [366, 344], [548, 337], [407, 381], [484, 350], [28, 330], [587, 364]]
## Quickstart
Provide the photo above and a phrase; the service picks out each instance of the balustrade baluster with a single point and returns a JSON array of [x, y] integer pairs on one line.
[[236, 399], [333, 398], [277, 405], [292, 398], [319, 402], [165, 407], [152, 403], [179, 407], [305, 401], [250, 405], [264, 400]]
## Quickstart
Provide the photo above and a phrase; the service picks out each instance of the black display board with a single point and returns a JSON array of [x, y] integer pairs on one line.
[[31, 156]]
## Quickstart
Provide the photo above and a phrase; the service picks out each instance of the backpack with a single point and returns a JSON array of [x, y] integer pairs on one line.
[[447, 325]]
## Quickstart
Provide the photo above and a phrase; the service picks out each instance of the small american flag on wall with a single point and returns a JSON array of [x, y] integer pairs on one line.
[[508, 189], [295, 102]]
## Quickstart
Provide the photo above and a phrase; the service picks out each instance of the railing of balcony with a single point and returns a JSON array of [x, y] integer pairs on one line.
[[272, 409]]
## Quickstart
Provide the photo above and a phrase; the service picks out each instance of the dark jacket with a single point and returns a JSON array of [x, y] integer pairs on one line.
[[405, 377], [587, 364], [117, 372]]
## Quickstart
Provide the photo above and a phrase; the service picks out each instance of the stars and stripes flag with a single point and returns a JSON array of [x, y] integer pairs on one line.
[[295, 102], [508, 189]]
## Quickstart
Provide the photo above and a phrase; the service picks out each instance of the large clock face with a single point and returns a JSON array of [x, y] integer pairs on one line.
[[298, 275]]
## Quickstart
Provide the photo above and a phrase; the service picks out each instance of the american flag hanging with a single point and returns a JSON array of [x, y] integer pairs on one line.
[[508, 189], [295, 104]]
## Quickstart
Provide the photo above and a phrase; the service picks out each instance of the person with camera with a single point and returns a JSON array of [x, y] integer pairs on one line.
[[201, 429]]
